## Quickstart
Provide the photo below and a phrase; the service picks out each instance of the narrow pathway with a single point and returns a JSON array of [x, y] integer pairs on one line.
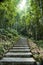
[[20, 54]]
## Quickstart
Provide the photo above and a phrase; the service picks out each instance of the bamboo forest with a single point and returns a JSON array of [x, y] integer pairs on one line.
[[21, 32]]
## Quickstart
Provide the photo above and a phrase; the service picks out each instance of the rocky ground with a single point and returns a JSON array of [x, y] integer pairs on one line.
[[37, 51]]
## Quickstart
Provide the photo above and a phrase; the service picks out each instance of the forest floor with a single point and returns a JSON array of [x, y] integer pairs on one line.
[[36, 50]]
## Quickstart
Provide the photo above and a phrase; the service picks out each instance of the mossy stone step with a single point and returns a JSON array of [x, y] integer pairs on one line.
[[9, 59], [11, 54], [21, 47], [19, 50]]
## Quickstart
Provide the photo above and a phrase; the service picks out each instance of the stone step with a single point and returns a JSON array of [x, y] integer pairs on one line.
[[27, 61], [20, 47], [19, 50], [9, 54]]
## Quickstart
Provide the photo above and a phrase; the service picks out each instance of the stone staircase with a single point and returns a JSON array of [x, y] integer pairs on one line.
[[20, 54]]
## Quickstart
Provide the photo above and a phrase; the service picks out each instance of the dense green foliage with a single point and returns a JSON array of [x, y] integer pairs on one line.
[[7, 18], [28, 22], [39, 43], [8, 35]]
